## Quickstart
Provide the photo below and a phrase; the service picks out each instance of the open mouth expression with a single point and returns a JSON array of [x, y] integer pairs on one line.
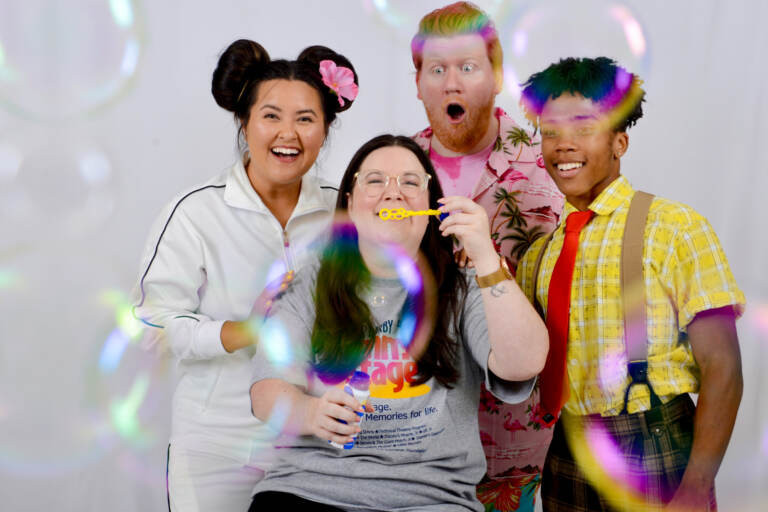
[[286, 154], [455, 112]]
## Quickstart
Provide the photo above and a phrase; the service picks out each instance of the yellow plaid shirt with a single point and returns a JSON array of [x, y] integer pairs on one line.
[[685, 272]]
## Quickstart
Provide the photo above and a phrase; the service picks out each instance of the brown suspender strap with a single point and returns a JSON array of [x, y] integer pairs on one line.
[[633, 296], [632, 282]]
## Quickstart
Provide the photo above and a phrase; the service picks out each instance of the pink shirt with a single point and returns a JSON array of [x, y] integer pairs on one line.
[[458, 173]]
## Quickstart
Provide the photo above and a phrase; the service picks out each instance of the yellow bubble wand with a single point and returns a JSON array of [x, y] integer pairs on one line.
[[402, 213]]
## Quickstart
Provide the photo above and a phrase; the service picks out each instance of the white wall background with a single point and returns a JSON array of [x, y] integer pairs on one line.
[[82, 178]]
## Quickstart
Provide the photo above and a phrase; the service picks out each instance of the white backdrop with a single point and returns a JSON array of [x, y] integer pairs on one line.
[[106, 113]]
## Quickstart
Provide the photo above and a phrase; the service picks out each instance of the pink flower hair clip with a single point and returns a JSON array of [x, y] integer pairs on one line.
[[340, 79]]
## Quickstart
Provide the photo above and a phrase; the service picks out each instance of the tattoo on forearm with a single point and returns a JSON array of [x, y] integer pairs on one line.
[[498, 290]]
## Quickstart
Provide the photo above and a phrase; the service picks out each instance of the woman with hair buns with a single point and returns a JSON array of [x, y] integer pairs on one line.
[[216, 248]]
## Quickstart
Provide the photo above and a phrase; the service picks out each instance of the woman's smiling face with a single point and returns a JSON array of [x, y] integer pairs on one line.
[[285, 132]]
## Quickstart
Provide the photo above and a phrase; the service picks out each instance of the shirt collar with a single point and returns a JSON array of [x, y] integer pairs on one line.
[[504, 149], [619, 192], [239, 193]]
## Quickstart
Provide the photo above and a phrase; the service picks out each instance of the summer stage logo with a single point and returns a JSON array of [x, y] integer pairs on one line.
[[391, 368]]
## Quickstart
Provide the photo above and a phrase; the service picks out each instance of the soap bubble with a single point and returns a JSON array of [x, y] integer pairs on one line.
[[759, 320], [109, 404], [606, 467], [60, 58], [416, 319], [53, 187], [128, 388], [542, 32]]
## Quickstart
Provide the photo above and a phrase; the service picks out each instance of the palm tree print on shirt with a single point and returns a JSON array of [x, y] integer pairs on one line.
[[509, 211], [519, 137]]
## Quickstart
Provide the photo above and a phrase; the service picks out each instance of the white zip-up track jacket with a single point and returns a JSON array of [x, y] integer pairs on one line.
[[208, 257]]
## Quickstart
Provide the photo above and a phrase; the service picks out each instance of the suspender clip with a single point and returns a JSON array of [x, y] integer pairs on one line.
[[638, 371]]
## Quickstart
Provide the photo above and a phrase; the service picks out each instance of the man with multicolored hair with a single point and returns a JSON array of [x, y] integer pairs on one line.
[[480, 152], [640, 305]]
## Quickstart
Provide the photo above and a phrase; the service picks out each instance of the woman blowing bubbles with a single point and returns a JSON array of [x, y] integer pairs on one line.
[[210, 253], [421, 448]]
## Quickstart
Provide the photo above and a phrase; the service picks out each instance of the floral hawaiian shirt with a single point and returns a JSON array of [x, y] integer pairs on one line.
[[523, 204], [521, 199]]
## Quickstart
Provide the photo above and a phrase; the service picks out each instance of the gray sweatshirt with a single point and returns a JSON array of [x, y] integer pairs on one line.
[[420, 449]]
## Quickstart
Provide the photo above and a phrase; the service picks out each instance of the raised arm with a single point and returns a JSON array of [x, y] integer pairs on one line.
[[518, 337]]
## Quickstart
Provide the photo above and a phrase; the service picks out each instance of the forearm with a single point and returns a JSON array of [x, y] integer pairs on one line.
[[237, 335], [194, 337], [713, 338], [518, 337], [277, 397], [718, 403]]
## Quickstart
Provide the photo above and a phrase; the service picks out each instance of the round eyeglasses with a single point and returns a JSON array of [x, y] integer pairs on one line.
[[374, 183]]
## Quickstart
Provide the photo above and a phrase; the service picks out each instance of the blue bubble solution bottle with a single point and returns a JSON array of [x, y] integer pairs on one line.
[[359, 386]]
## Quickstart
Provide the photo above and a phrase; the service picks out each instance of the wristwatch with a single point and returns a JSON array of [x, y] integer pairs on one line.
[[493, 278]]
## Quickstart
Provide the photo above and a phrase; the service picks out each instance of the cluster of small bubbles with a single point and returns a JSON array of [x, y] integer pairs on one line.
[[541, 32], [402, 16], [53, 186], [63, 58]]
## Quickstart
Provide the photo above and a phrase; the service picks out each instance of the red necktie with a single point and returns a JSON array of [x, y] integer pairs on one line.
[[553, 394]]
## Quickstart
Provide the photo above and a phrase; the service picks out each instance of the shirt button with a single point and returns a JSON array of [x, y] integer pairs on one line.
[[658, 431], [574, 362]]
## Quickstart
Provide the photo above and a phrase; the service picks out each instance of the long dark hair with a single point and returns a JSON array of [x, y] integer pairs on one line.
[[344, 320], [245, 64]]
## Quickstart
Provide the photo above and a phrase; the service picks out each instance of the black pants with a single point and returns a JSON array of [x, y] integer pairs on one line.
[[272, 500]]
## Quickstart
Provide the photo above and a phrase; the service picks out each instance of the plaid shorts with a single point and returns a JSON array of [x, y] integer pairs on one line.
[[625, 462]]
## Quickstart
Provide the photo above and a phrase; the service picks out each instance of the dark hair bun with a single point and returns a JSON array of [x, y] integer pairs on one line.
[[312, 56], [237, 65]]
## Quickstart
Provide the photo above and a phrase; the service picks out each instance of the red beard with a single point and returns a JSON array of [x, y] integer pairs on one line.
[[464, 136]]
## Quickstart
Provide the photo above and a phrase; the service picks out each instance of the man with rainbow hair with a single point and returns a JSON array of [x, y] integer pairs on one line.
[[640, 306], [479, 152]]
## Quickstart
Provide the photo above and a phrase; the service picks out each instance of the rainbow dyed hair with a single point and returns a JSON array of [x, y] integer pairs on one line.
[[456, 19], [601, 80]]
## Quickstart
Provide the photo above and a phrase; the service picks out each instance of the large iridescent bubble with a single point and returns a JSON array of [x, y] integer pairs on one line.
[[60, 58], [538, 33], [416, 321], [72, 416]]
